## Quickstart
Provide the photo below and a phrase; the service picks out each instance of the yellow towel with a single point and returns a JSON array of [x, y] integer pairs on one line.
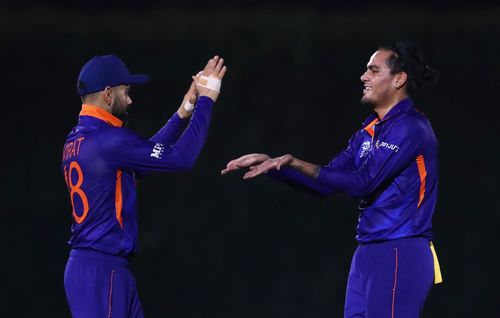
[[437, 270]]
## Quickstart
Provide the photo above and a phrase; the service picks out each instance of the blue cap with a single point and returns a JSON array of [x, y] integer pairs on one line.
[[106, 70]]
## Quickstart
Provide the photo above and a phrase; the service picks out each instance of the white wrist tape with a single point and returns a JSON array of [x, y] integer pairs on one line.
[[210, 82], [188, 106]]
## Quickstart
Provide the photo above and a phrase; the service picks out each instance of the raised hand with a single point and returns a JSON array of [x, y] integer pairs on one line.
[[187, 105], [208, 81], [215, 67], [191, 93], [246, 161]]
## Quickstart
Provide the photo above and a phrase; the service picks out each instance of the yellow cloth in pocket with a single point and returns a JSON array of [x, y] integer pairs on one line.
[[437, 269]]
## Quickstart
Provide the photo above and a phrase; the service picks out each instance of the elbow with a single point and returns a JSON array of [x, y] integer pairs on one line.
[[184, 167], [186, 164], [357, 190], [183, 160], [353, 184]]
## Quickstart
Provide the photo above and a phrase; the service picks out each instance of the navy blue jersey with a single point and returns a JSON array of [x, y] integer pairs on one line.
[[101, 161], [392, 164]]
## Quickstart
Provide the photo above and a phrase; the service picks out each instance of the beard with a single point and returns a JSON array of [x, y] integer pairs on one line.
[[368, 102], [119, 111]]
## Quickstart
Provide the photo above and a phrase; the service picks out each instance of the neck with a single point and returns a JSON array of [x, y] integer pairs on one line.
[[98, 112], [97, 103], [383, 108]]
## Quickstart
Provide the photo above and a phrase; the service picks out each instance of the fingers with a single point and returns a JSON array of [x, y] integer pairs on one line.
[[191, 93], [218, 65], [261, 168], [251, 174], [192, 87], [215, 67], [215, 60], [231, 166], [244, 161], [220, 69], [241, 162], [211, 64], [229, 169], [258, 170], [222, 72], [255, 162]]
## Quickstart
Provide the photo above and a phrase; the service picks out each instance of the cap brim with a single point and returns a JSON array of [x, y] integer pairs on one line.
[[139, 79]]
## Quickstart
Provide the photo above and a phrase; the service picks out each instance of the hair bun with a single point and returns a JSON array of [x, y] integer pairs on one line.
[[429, 74]]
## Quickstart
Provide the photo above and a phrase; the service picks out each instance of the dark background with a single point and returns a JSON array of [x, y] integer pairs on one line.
[[215, 246]]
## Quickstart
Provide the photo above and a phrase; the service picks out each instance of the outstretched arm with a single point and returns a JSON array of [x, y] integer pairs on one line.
[[286, 168], [381, 164], [246, 161], [310, 170]]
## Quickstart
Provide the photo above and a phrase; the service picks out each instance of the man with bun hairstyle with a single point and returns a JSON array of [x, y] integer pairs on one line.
[[100, 163], [391, 163]]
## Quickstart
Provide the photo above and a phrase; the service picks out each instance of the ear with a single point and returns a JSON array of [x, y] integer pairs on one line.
[[107, 95], [400, 80]]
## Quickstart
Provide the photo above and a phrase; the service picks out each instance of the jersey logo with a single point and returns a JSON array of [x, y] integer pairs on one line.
[[157, 150], [365, 148], [386, 145]]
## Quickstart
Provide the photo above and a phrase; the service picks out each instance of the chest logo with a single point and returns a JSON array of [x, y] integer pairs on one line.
[[386, 145], [365, 148]]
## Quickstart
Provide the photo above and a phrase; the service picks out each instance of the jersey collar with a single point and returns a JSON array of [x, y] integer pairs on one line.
[[94, 111], [402, 107]]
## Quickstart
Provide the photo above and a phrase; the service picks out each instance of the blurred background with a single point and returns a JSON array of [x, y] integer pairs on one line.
[[215, 246]]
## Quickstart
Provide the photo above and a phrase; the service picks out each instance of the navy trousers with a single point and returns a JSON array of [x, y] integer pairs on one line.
[[389, 279], [100, 285]]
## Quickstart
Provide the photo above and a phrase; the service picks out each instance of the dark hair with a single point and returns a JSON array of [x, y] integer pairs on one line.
[[406, 57]]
